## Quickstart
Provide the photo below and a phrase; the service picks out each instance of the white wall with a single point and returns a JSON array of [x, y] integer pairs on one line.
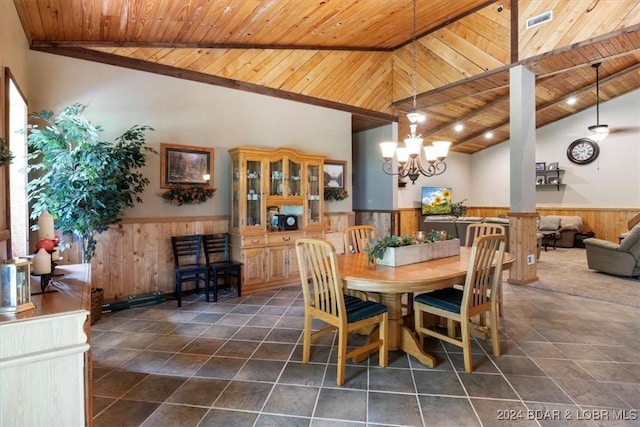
[[380, 191], [612, 180], [13, 48], [186, 112]]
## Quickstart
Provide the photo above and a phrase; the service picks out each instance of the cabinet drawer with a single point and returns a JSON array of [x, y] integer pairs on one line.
[[314, 234], [248, 241], [283, 238]]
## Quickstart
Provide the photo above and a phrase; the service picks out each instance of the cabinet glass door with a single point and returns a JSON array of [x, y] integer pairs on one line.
[[295, 179], [254, 193], [276, 174], [235, 192], [313, 195]]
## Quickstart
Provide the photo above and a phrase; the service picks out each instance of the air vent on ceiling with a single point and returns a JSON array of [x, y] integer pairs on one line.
[[540, 19]]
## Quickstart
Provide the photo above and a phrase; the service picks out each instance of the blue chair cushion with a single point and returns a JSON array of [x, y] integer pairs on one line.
[[358, 309], [448, 299]]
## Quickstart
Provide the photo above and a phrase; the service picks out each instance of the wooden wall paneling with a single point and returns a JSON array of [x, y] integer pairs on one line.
[[572, 23], [322, 74], [165, 260], [606, 223], [446, 56], [409, 221], [338, 221]]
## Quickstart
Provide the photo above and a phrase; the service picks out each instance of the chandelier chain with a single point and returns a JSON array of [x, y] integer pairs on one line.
[[415, 58]]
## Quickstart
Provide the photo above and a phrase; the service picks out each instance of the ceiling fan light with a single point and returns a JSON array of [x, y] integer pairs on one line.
[[604, 129], [598, 132]]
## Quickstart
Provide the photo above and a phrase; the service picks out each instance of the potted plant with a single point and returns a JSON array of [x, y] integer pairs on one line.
[[85, 183]]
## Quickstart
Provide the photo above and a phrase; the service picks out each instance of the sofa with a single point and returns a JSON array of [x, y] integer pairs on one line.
[[457, 226], [621, 259], [561, 229]]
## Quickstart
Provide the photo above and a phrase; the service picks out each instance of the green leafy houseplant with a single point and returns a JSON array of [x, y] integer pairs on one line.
[[5, 153], [458, 209], [85, 183], [188, 195], [377, 247]]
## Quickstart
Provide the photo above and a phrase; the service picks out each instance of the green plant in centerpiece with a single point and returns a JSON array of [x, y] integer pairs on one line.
[[85, 183], [377, 247]]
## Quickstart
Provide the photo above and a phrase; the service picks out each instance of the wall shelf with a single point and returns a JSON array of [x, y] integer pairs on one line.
[[549, 178]]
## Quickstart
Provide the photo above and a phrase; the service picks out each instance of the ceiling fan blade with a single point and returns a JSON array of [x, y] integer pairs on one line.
[[625, 129]]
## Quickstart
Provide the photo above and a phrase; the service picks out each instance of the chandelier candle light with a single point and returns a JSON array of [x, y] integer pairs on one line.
[[409, 155]]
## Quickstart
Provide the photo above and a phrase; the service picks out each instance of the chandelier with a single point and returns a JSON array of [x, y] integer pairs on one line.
[[409, 155], [598, 131]]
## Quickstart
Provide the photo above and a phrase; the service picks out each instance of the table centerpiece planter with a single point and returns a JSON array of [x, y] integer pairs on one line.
[[395, 251]]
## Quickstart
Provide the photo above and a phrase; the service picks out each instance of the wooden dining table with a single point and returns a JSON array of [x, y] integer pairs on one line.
[[391, 283]]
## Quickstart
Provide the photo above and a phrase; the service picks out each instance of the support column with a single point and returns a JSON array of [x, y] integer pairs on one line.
[[522, 218]]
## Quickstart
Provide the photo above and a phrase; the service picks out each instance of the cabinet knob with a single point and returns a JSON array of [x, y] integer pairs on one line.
[[286, 239]]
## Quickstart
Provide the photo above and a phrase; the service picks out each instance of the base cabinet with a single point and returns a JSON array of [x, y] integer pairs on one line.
[[271, 263], [252, 267]]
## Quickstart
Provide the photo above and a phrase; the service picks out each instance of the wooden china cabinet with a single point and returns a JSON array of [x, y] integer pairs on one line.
[[276, 197]]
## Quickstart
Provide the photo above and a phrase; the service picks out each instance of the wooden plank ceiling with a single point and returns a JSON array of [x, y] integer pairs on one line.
[[359, 56]]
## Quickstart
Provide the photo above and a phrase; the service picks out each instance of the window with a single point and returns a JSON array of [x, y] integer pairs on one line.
[[17, 209]]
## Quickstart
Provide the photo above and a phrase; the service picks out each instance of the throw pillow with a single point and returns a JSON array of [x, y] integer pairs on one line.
[[549, 223]]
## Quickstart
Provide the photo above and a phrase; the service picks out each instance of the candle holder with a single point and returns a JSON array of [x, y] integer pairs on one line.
[[15, 287]]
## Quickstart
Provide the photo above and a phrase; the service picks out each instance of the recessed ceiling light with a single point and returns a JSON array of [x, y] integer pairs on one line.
[[488, 135], [571, 101], [458, 127]]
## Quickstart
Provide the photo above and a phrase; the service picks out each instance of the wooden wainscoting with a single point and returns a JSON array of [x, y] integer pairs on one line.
[[606, 223], [135, 256]]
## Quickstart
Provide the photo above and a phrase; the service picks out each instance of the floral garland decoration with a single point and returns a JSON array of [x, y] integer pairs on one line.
[[331, 194], [188, 195], [5, 154]]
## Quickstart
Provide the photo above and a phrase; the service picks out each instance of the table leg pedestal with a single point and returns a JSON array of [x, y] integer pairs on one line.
[[401, 337]]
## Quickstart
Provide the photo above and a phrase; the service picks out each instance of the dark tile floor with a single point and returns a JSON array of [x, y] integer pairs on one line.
[[567, 361]]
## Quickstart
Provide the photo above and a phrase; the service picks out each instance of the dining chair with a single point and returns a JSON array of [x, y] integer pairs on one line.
[[356, 237], [188, 265], [483, 229], [325, 300], [479, 296], [218, 259]]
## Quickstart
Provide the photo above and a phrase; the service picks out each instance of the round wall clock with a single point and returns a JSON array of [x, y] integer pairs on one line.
[[583, 151]]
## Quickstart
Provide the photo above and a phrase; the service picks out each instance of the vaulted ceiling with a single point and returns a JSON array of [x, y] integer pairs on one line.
[[358, 56]]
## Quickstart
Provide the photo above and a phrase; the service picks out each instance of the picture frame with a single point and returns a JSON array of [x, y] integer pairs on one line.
[[553, 180], [335, 174], [185, 165], [553, 166], [540, 166], [540, 180]]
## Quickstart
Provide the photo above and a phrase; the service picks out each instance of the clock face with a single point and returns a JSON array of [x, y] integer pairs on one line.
[[291, 220], [583, 151]]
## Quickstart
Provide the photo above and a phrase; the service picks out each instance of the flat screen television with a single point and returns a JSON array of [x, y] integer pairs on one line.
[[436, 200]]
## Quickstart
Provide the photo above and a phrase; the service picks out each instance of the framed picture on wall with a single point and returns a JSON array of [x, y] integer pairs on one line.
[[553, 166], [540, 180], [182, 165], [335, 173], [540, 166]]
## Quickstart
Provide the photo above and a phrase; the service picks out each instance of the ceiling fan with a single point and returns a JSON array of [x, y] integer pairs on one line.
[[600, 131]]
